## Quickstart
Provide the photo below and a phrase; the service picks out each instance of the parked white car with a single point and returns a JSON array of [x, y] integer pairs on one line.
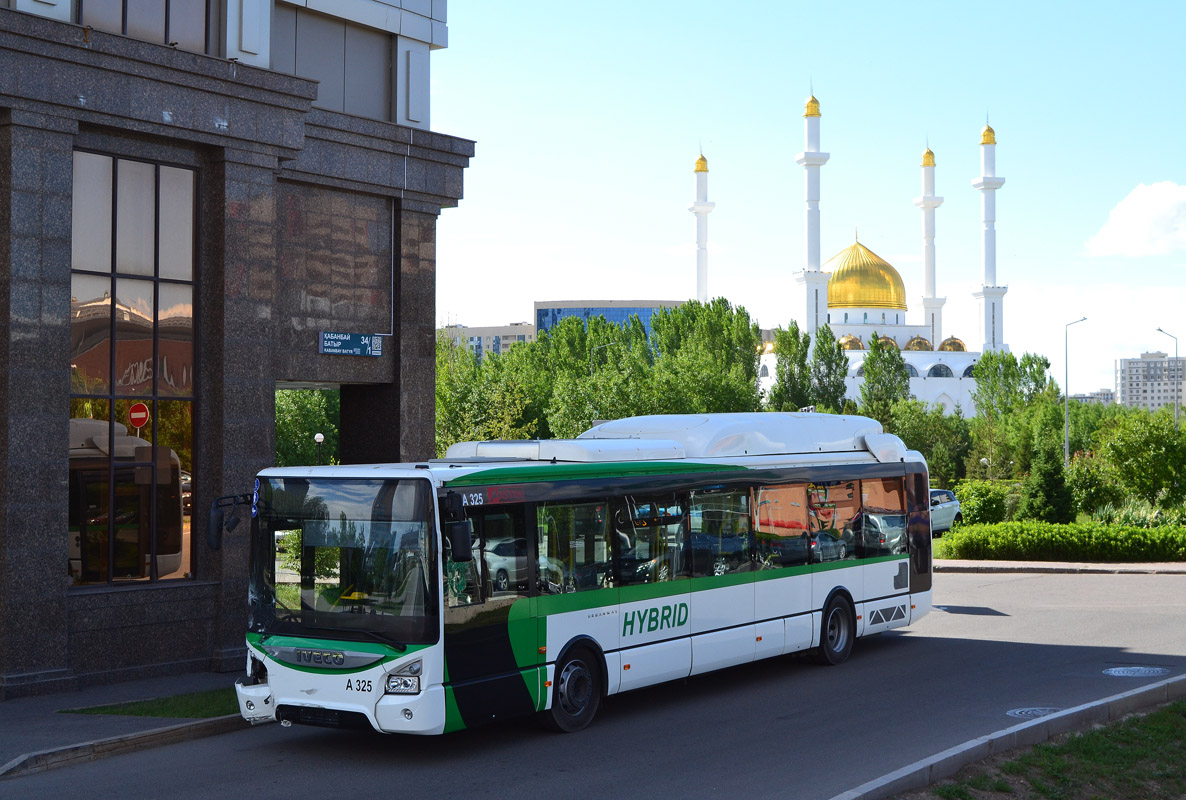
[[945, 511]]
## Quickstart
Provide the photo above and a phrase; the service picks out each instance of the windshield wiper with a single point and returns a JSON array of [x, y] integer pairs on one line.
[[378, 637]]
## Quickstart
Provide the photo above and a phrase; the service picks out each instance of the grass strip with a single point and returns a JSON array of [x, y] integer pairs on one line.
[[193, 705], [1138, 758]]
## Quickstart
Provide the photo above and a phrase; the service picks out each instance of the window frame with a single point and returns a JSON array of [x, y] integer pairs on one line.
[[154, 399]]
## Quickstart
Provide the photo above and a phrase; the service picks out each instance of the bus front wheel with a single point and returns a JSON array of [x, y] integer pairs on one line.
[[838, 632], [576, 692]]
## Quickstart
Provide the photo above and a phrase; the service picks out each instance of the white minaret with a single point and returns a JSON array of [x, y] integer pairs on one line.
[[701, 208], [932, 306], [991, 296], [814, 282]]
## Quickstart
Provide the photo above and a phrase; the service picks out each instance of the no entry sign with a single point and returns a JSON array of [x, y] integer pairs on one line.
[[138, 415]]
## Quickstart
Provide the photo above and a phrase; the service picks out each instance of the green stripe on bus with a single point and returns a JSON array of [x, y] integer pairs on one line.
[[831, 565], [522, 629], [453, 720], [570, 472], [388, 653]]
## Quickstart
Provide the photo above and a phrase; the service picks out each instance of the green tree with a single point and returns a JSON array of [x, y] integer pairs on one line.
[[1045, 495], [706, 358], [1148, 453], [943, 439], [792, 376], [1093, 483], [301, 413], [886, 380], [829, 368]]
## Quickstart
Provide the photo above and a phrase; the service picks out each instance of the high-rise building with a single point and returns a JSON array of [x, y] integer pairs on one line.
[[496, 339], [1152, 381]]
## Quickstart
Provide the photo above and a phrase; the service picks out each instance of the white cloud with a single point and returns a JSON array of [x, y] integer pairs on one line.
[[1151, 221]]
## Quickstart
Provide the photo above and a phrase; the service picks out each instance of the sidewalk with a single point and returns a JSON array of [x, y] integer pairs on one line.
[[35, 737]]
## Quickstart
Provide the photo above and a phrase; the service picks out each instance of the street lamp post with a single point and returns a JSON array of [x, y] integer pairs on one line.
[[1066, 394], [1178, 382], [319, 438]]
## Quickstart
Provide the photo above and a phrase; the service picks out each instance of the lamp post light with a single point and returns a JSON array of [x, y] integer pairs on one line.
[[1066, 394], [319, 438], [1178, 382]]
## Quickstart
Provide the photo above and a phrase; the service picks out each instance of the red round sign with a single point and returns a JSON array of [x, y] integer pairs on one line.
[[138, 415]]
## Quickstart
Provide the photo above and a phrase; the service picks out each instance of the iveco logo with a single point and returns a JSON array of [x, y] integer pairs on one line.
[[324, 657]]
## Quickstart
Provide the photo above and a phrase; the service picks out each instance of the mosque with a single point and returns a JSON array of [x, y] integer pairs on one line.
[[859, 294]]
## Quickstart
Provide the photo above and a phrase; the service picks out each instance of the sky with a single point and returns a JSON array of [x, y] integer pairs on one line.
[[588, 119]]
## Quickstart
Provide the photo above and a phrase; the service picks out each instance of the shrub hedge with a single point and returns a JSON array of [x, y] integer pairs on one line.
[[1077, 541]]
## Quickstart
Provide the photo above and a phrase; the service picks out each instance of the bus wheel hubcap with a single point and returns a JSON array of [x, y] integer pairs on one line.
[[575, 688]]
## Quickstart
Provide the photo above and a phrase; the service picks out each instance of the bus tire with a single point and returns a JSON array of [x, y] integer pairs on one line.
[[838, 631], [576, 692]]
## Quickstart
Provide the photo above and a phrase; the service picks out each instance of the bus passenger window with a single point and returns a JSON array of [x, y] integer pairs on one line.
[[781, 526], [883, 518], [833, 513], [720, 538], [648, 535], [574, 553]]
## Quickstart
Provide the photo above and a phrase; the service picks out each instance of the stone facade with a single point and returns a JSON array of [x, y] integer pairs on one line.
[[282, 190]]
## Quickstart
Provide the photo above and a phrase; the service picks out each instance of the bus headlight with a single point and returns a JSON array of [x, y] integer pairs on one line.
[[406, 679], [403, 684]]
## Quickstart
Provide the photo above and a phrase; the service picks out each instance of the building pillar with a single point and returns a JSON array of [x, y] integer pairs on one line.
[[36, 179], [236, 405]]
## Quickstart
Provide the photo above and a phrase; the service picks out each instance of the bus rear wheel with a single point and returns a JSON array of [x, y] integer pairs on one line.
[[838, 632], [576, 692]]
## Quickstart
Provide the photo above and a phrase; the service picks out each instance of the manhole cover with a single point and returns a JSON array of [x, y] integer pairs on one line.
[[1136, 672], [1032, 713]]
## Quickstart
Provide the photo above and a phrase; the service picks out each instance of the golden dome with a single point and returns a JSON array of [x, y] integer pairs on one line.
[[952, 345], [928, 158], [812, 107], [886, 341], [701, 164], [988, 136], [863, 279], [850, 342], [918, 343]]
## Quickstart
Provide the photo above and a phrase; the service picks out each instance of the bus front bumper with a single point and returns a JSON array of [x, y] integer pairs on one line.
[[422, 713]]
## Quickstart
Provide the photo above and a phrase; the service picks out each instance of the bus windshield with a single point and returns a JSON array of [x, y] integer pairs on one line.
[[344, 559]]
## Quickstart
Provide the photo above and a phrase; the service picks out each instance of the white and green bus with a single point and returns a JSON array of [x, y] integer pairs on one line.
[[518, 577]]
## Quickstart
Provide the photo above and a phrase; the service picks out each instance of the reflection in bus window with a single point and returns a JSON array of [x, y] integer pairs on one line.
[[573, 548], [720, 540], [781, 522], [833, 508], [883, 518], [649, 537]]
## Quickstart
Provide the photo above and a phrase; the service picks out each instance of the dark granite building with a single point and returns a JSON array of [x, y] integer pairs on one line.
[[191, 192]]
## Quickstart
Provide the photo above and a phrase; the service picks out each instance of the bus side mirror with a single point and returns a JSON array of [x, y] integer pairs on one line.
[[217, 519], [214, 527], [460, 538]]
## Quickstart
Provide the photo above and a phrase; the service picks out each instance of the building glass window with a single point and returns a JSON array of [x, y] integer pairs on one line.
[[131, 370], [181, 23]]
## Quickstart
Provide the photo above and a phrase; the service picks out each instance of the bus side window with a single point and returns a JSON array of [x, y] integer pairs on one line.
[[833, 509], [781, 525], [574, 551], [720, 532], [648, 535]]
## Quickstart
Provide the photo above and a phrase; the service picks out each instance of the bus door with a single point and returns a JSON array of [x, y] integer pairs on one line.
[[650, 542], [491, 652]]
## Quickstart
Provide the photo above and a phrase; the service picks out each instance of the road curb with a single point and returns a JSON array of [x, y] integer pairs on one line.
[[922, 774], [1062, 569], [53, 758]]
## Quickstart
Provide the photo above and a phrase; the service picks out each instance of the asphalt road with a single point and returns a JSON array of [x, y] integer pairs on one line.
[[780, 728]]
